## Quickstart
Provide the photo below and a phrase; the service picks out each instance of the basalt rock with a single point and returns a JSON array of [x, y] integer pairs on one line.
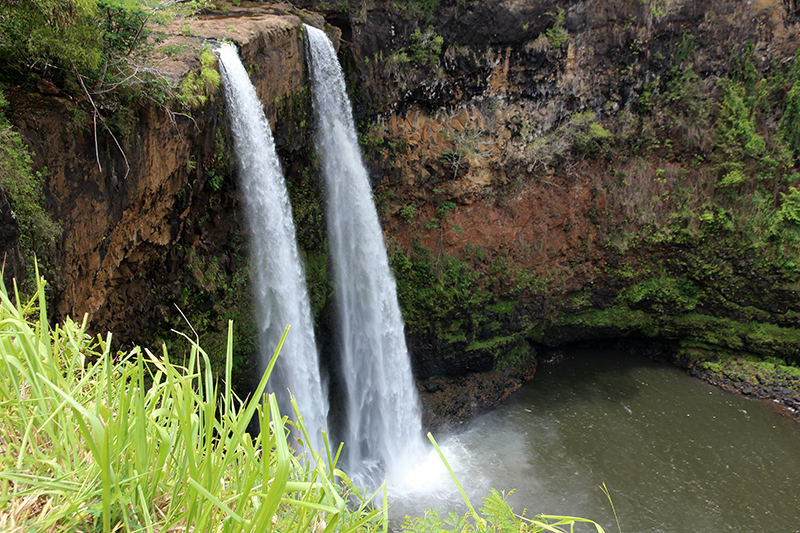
[[497, 168]]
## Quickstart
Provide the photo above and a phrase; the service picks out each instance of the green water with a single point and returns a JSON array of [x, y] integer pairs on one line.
[[676, 454]]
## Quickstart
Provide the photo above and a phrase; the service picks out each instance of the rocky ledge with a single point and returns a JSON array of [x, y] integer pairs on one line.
[[448, 401]]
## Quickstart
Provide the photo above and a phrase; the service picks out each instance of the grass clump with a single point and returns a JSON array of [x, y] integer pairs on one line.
[[99, 441]]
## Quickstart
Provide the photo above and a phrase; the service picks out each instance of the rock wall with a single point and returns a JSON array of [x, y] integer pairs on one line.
[[137, 206], [12, 261], [545, 172], [533, 172]]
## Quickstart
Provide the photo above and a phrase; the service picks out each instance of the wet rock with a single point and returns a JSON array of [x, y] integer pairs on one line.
[[449, 401]]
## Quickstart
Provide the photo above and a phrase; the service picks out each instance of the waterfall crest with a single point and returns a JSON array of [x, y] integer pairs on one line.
[[384, 429], [278, 274]]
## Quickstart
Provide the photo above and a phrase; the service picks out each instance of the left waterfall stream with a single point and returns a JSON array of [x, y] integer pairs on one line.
[[278, 276]]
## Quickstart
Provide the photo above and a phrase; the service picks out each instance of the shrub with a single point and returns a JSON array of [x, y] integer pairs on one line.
[[790, 122], [86, 37], [24, 188], [426, 47], [412, 9], [197, 88], [556, 35]]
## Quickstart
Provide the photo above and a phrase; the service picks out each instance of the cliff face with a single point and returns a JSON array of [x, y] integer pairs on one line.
[[556, 172], [546, 173], [137, 207]]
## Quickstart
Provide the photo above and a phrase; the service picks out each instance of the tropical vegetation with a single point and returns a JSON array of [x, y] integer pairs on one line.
[[97, 440]]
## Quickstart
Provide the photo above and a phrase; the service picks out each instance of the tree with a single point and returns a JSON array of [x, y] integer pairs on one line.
[[39, 35]]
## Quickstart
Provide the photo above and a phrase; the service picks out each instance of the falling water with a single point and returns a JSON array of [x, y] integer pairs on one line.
[[383, 431], [279, 284]]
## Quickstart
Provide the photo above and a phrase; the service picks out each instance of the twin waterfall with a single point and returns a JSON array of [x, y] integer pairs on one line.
[[278, 275], [382, 430]]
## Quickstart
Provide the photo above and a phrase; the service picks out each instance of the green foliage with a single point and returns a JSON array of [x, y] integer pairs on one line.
[[745, 75], [429, 287], [438, 221], [519, 355], [684, 91], [580, 133], [789, 212], [424, 51], [786, 222], [63, 33], [408, 211], [646, 100], [556, 34], [734, 177], [219, 291], [789, 126], [466, 297], [591, 140], [746, 152], [587, 135], [372, 141], [723, 364], [737, 138], [24, 188], [662, 8], [426, 47], [716, 221], [90, 37], [413, 9], [197, 88], [132, 442], [662, 294]]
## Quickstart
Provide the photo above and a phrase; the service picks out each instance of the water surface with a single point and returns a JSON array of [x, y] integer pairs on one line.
[[676, 454]]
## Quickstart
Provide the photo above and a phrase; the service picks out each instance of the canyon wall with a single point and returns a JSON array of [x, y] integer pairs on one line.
[[546, 173], [561, 172], [557, 172]]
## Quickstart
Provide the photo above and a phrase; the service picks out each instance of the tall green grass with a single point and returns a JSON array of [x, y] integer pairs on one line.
[[93, 441]]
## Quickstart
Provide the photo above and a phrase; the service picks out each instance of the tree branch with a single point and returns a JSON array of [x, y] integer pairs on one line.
[[103, 121]]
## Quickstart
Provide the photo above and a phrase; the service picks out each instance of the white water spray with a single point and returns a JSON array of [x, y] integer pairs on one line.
[[384, 429], [279, 278]]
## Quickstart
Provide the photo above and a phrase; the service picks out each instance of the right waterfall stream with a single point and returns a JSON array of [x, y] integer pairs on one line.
[[383, 433]]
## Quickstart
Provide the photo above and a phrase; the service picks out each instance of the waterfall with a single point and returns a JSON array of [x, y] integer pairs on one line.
[[384, 429], [278, 275]]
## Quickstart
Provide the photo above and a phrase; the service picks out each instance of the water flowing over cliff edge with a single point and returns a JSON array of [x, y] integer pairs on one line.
[[383, 427], [545, 174], [279, 277]]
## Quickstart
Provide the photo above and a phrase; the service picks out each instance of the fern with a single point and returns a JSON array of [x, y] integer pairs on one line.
[[499, 514]]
